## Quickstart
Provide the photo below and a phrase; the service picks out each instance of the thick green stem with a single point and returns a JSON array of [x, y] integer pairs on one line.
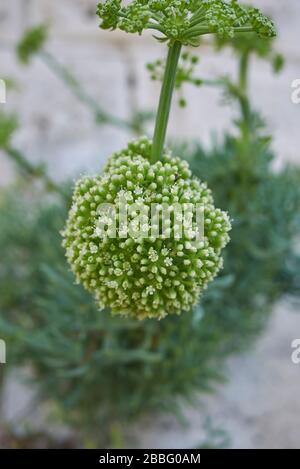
[[165, 101]]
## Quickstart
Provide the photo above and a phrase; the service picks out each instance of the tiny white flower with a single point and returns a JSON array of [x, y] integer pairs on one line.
[[153, 256], [150, 290], [168, 261], [138, 190], [118, 272], [93, 248]]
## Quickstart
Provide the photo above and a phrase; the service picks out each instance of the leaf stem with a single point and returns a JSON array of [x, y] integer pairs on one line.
[[165, 101]]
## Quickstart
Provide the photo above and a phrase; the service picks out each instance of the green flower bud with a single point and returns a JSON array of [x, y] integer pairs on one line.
[[149, 274]]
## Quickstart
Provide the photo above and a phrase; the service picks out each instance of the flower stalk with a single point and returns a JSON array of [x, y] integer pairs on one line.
[[243, 86], [165, 101]]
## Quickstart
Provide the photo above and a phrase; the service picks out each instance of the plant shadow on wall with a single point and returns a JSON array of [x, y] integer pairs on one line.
[[96, 372]]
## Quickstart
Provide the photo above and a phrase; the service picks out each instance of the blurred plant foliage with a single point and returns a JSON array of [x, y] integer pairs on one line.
[[99, 371], [32, 43]]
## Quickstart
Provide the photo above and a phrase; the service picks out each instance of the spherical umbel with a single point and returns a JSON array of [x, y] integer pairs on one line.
[[154, 261]]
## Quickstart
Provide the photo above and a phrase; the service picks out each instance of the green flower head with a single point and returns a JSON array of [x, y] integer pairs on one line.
[[134, 268], [184, 20]]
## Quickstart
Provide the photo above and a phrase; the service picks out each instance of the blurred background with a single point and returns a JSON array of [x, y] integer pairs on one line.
[[258, 406]]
